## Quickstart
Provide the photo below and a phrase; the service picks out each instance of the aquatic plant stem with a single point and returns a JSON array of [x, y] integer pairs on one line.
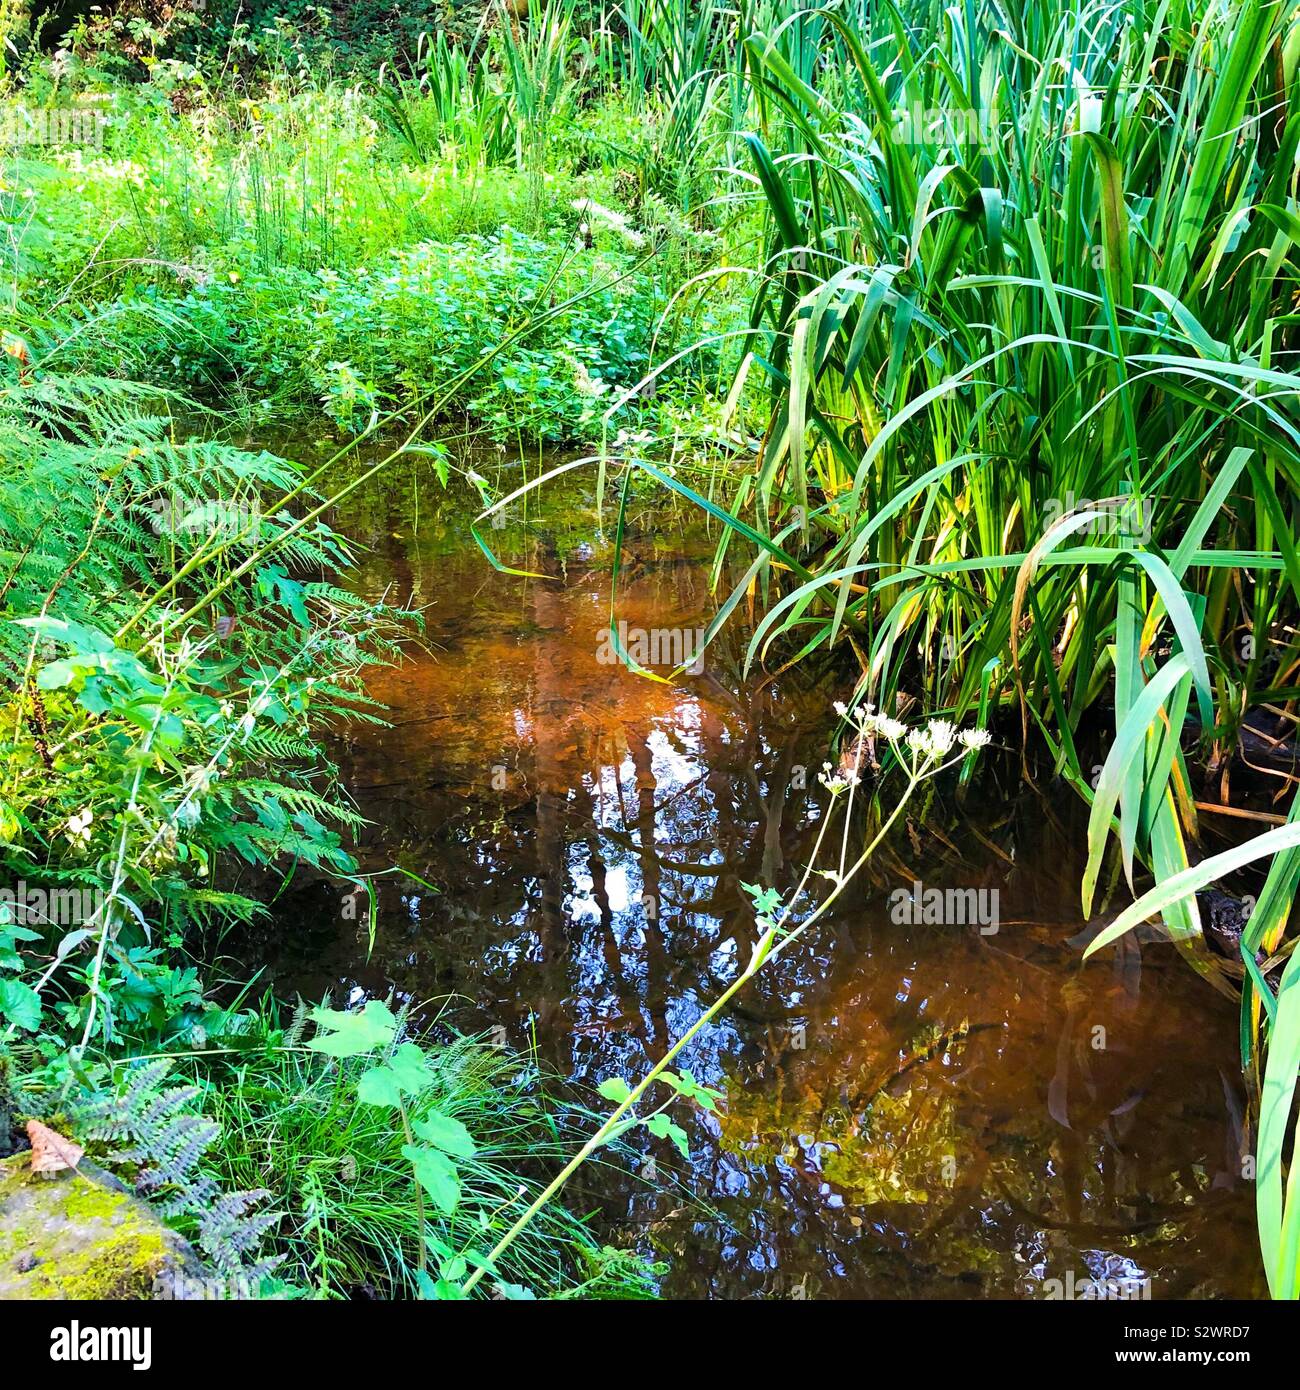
[[608, 1130]]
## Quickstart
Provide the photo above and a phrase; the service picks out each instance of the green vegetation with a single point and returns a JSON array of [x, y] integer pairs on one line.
[[968, 327]]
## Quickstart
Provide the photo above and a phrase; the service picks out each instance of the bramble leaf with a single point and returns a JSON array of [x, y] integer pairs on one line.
[[436, 1173], [20, 1004], [664, 1128], [405, 1073]]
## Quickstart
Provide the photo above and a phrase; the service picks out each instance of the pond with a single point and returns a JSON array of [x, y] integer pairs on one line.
[[910, 1110]]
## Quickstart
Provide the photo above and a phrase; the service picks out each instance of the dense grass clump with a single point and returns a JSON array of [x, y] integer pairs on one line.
[[292, 1124]]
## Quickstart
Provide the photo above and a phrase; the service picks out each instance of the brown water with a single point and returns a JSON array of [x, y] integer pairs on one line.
[[910, 1111]]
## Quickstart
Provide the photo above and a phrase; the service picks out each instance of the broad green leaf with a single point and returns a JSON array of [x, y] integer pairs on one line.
[[664, 1128], [446, 1133], [353, 1034], [20, 1004], [86, 639], [405, 1073], [1124, 753], [436, 1173]]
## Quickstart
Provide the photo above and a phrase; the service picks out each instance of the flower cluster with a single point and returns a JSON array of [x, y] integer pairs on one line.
[[615, 221], [837, 782], [931, 742], [869, 723]]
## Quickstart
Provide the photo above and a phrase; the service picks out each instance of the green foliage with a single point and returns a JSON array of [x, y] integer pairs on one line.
[[352, 1034], [296, 257], [404, 1073], [379, 338], [174, 628], [134, 773], [345, 1130], [163, 1142], [1007, 420]]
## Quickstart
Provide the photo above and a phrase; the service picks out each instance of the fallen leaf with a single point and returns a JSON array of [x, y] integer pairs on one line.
[[51, 1152]]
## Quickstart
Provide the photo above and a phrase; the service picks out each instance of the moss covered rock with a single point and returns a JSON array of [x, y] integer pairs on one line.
[[82, 1235]]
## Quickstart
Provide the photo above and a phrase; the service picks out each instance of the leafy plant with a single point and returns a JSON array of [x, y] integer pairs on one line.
[[396, 1158]]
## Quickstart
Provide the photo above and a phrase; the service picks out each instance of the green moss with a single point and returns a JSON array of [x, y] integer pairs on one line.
[[123, 1266], [73, 1237], [90, 1202]]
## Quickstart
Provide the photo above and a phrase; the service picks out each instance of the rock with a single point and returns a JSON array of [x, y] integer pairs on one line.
[[82, 1235]]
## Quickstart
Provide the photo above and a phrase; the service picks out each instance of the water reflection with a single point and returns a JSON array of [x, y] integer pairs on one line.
[[909, 1110]]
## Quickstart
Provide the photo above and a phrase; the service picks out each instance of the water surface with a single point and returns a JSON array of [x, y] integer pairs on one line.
[[909, 1111]]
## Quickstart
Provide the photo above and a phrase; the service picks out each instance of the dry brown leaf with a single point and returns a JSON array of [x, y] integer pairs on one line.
[[51, 1152]]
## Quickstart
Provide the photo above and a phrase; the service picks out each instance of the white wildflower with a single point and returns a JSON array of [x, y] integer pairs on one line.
[[608, 218], [942, 735], [974, 739], [584, 383], [78, 827], [835, 782]]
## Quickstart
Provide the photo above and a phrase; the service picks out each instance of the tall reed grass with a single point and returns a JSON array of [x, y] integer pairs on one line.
[[1019, 364]]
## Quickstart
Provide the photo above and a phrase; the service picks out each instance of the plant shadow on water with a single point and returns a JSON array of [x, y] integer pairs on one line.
[[910, 1110]]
